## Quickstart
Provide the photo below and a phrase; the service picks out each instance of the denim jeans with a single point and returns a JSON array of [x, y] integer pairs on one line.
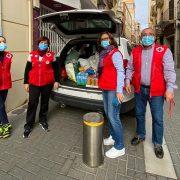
[[114, 122], [3, 114], [156, 105]]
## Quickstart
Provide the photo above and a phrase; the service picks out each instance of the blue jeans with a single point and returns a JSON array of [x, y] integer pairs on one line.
[[114, 122], [3, 114], [156, 105]]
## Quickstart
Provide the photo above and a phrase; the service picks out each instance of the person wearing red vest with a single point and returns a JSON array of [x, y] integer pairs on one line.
[[5, 84], [111, 81], [41, 75], [151, 72]]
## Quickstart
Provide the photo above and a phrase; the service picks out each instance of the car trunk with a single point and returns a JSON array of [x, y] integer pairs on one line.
[[89, 54]]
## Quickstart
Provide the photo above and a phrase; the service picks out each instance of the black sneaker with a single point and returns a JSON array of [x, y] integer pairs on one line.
[[136, 140], [27, 131], [158, 149], [44, 125]]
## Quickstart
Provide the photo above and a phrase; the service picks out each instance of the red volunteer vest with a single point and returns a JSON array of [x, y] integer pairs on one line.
[[5, 74], [158, 84], [41, 73], [108, 79]]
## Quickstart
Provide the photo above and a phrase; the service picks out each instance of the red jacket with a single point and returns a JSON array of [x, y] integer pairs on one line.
[[42, 72], [158, 84], [108, 79], [5, 74]]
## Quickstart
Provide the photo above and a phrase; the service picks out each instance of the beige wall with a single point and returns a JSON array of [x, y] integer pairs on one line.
[[16, 25]]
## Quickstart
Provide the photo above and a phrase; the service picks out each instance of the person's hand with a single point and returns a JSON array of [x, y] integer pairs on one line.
[[56, 85], [169, 96], [120, 97], [128, 88], [26, 87]]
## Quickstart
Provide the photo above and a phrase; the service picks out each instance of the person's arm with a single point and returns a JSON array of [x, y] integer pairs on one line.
[[169, 71], [129, 71], [55, 67], [27, 69], [118, 63]]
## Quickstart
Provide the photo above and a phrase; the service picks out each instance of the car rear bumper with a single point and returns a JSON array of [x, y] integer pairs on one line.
[[89, 104]]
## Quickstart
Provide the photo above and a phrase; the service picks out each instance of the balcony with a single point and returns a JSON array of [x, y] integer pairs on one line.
[[159, 3], [178, 10], [153, 11]]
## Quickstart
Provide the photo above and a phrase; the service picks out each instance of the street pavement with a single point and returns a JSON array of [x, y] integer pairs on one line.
[[57, 154]]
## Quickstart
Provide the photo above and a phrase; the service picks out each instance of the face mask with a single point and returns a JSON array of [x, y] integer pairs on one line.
[[105, 43], [43, 46], [3, 46], [148, 40]]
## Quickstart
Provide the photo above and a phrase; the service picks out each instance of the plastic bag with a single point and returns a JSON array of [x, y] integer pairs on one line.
[[84, 63], [70, 71]]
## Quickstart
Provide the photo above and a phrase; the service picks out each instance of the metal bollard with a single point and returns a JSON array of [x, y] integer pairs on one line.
[[93, 151]]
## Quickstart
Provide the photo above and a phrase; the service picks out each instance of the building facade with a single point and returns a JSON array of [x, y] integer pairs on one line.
[[163, 17], [18, 31]]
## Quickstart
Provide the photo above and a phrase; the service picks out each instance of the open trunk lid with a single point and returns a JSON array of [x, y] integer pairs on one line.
[[79, 23]]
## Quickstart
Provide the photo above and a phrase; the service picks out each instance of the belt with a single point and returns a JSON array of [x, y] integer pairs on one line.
[[145, 86]]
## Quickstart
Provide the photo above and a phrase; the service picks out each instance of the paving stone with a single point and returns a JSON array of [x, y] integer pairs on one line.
[[76, 174], [101, 174], [21, 174], [120, 177], [151, 177], [131, 162], [177, 169], [90, 177], [175, 158], [79, 165], [66, 167], [46, 164], [111, 172], [140, 164], [122, 167], [162, 178]]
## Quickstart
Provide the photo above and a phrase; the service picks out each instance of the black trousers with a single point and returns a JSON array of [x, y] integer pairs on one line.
[[34, 93], [3, 114]]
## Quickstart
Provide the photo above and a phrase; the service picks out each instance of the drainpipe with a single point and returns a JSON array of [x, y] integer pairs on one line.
[[30, 5], [1, 18]]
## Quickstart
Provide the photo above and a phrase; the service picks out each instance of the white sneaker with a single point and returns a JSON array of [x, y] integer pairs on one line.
[[114, 153], [109, 141]]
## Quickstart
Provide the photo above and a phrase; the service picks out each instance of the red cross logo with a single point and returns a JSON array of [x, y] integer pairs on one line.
[[159, 49]]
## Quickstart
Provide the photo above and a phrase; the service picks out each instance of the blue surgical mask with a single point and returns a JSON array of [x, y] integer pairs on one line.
[[43, 46], [105, 43], [3, 46], [148, 40]]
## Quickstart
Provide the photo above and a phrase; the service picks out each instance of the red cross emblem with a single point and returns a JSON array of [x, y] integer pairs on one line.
[[159, 49]]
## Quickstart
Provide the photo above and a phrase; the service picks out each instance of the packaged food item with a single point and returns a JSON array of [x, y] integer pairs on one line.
[[70, 71], [81, 79]]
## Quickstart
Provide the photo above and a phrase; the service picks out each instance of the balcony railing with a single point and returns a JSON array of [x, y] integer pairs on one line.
[[178, 9], [159, 3], [168, 14]]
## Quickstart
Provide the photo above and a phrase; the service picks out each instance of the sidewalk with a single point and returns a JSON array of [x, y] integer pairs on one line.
[[57, 155]]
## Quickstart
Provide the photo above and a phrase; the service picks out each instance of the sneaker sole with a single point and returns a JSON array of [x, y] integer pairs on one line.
[[44, 128], [112, 144], [113, 157]]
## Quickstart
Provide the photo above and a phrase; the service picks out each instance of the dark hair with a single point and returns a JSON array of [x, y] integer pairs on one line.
[[44, 38], [3, 37], [112, 41]]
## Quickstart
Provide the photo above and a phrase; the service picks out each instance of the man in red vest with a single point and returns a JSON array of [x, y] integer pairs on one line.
[[151, 72]]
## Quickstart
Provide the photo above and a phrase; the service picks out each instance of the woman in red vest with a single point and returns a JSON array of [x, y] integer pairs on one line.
[[41, 75], [111, 81], [5, 84]]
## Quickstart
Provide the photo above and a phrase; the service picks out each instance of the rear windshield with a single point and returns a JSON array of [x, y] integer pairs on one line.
[[75, 23]]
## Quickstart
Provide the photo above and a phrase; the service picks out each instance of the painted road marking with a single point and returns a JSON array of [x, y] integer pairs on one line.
[[161, 167]]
